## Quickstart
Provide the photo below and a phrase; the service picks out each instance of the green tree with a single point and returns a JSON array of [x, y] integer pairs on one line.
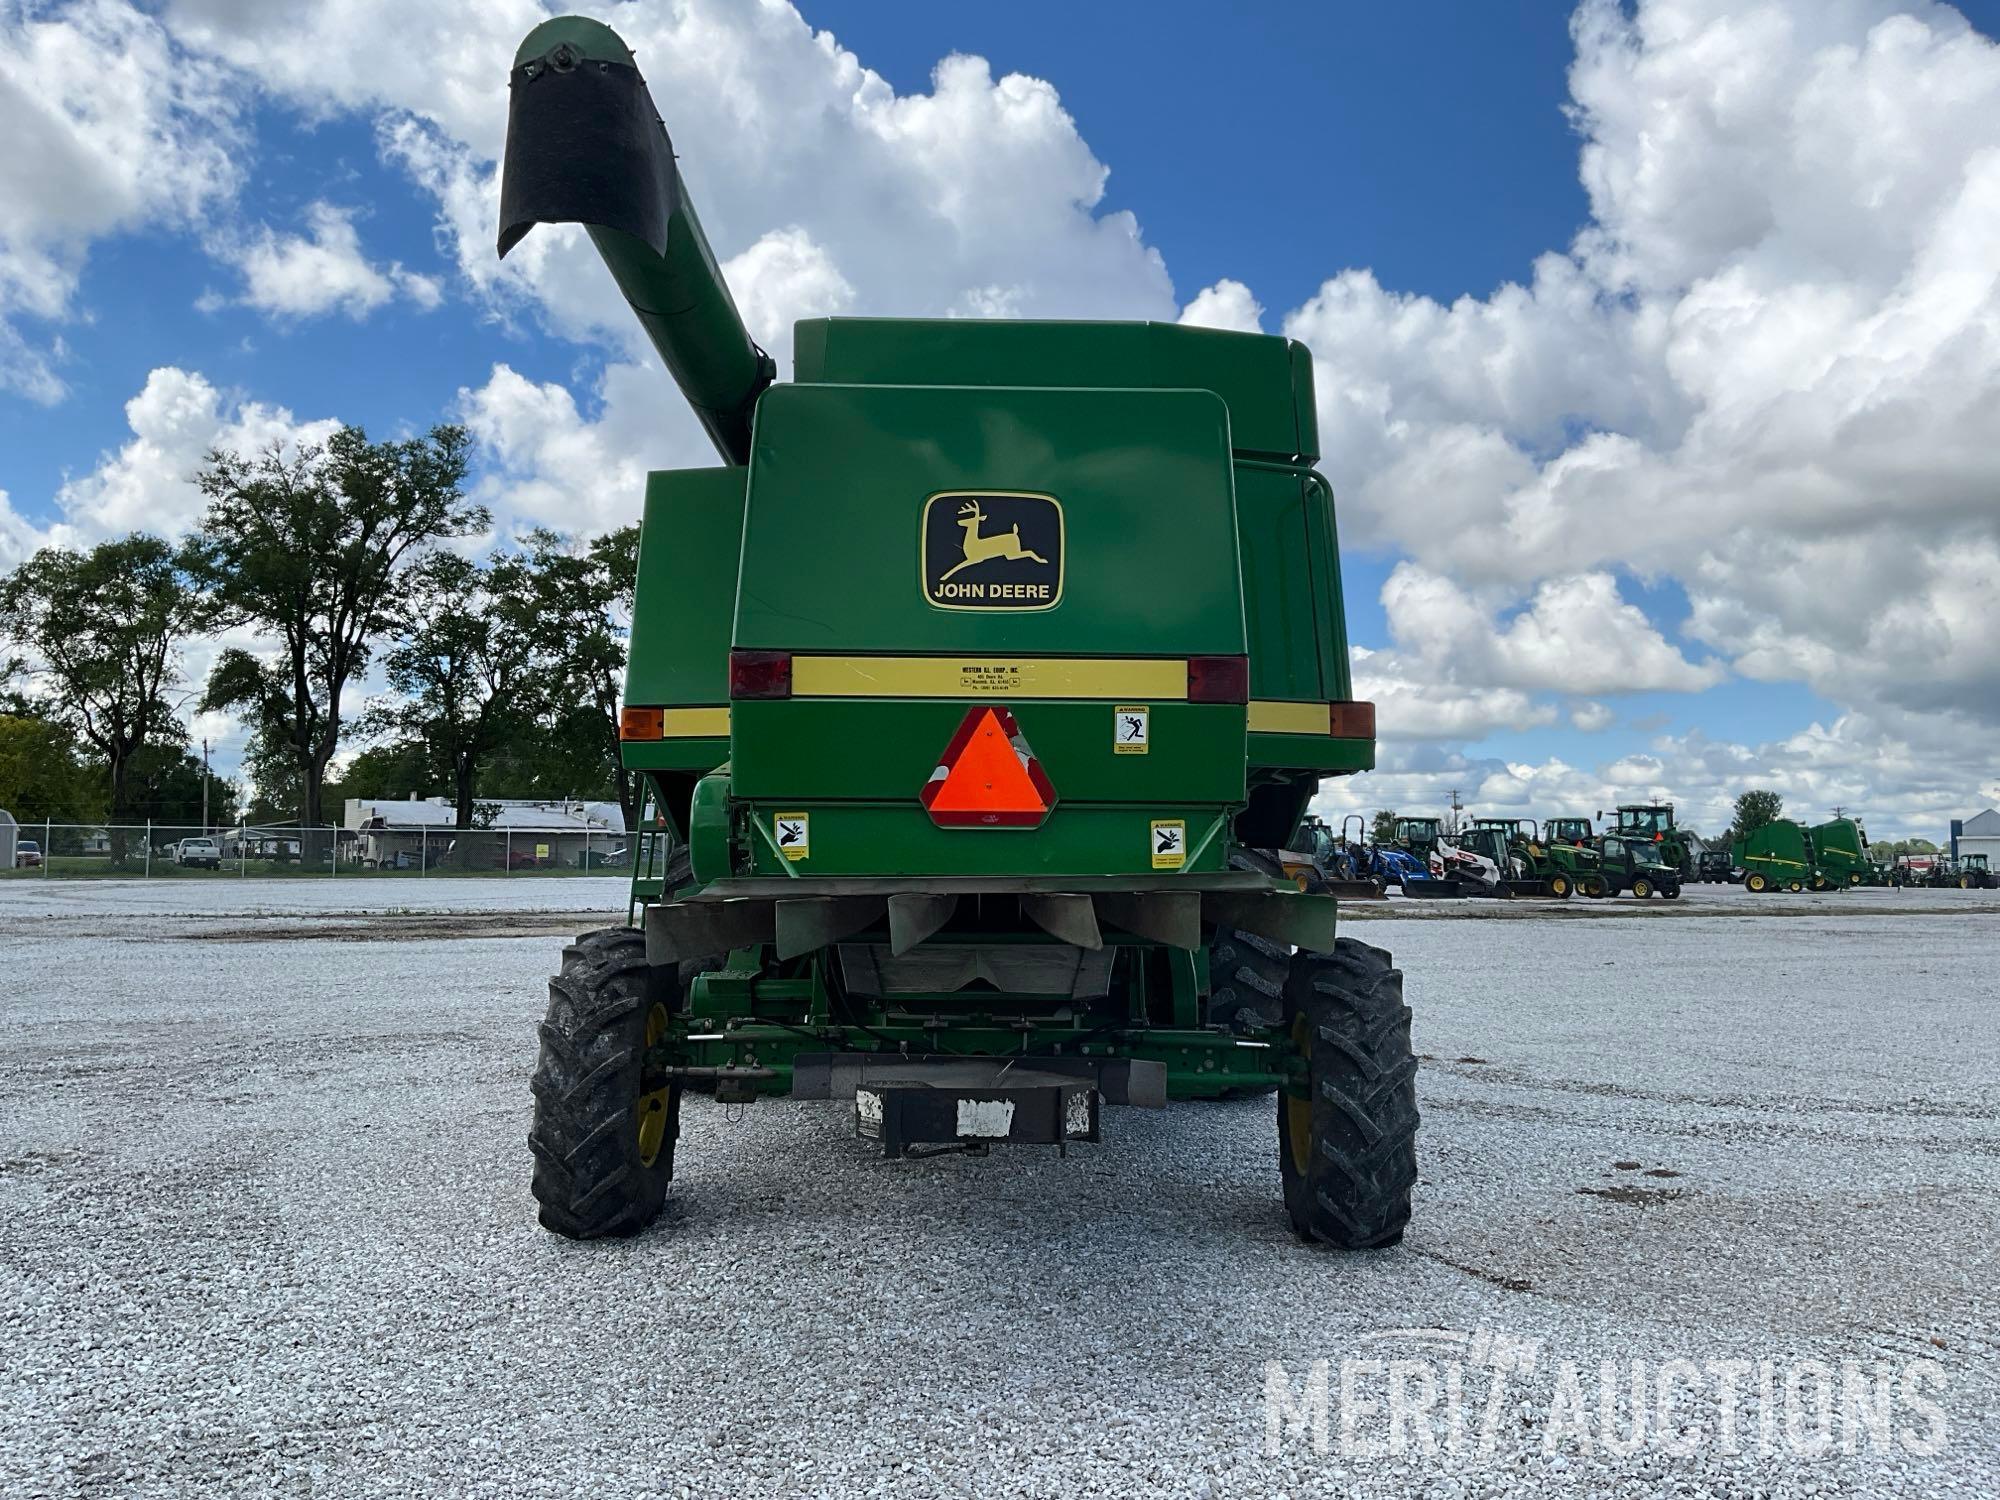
[[464, 661], [580, 596], [42, 775], [1382, 829], [563, 757], [395, 772], [1756, 809], [310, 547], [104, 630], [165, 784]]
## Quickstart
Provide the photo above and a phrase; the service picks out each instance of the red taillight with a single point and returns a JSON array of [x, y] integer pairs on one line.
[[1351, 721], [1218, 679], [760, 674]]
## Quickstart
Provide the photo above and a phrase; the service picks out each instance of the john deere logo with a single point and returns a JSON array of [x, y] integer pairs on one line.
[[990, 550]]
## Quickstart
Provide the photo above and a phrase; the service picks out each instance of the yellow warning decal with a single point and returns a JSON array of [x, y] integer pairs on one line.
[[1169, 843], [792, 833]]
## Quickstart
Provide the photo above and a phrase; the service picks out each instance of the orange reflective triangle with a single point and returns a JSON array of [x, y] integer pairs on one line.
[[988, 778]]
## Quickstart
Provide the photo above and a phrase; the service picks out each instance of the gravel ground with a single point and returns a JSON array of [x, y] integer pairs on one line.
[[264, 1225]]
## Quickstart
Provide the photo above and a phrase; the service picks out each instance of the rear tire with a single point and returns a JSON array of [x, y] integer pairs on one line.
[[1642, 887], [1347, 1152], [1756, 882], [1246, 977], [605, 1125], [1559, 887]]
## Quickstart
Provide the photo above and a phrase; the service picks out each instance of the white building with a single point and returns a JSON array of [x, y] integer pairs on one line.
[[506, 833], [1981, 835]]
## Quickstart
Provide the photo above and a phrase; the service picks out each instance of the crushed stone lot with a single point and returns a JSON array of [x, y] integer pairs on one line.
[[264, 1225]]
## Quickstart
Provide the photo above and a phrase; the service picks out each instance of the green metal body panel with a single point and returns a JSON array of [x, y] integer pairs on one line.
[[894, 838], [1780, 852], [710, 828], [1840, 852], [1328, 755], [886, 749], [1265, 382], [839, 478]]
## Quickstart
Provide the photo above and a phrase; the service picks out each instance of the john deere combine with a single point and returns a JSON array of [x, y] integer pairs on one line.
[[955, 687]]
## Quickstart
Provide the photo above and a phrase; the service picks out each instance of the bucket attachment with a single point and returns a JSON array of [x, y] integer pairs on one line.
[[1432, 888]]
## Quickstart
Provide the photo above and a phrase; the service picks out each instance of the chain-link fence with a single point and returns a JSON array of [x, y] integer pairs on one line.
[[162, 851]]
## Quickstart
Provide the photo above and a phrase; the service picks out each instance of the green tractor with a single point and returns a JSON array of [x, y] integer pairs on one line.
[[1417, 836], [1976, 874], [1572, 844], [957, 689], [1778, 856], [1539, 867], [1653, 822]]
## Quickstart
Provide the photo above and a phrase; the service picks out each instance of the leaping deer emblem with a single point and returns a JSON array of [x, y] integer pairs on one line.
[[979, 549]]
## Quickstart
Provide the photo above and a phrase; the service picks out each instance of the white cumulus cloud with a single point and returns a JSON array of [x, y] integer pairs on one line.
[[323, 270], [106, 126], [1768, 369], [1227, 304]]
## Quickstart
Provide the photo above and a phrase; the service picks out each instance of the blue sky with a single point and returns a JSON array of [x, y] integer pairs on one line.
[[1572, 611]]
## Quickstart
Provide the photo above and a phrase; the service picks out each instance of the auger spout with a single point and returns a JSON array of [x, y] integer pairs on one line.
[[585, 145]]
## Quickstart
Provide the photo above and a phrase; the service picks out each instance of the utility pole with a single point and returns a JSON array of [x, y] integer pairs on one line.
[[204, 786], [1456, 808]]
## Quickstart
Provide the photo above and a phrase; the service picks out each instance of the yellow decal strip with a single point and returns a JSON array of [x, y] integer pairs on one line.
[[988, 677], [694, 723], [1267, 717]]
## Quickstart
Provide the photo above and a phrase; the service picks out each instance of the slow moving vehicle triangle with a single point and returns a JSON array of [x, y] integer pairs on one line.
[[988, 777]]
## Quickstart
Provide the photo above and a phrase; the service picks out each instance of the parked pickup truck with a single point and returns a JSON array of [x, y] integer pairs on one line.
[[199, 853]]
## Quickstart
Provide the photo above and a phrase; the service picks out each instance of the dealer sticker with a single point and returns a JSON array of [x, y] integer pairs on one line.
[[1131, 729], [1169, 843], [793, 834]]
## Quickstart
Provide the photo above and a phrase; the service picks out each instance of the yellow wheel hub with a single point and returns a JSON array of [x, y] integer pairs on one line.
[[653, 1106], [1298, 1112]]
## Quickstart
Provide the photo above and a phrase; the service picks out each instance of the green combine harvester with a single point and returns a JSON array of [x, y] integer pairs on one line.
[[957, 688]]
